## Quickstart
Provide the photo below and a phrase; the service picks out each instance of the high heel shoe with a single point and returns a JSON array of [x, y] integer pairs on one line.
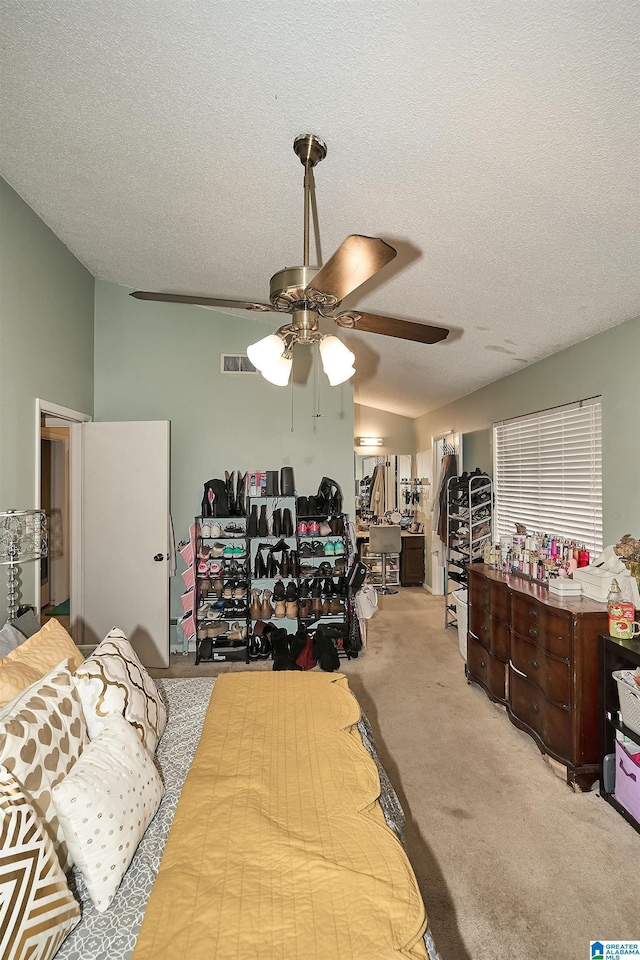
[[266, 610], [256, 605]]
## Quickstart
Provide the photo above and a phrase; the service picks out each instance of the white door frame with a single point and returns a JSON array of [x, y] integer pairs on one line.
[[71, 418]]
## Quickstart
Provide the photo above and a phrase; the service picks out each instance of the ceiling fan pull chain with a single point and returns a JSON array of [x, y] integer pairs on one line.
[[293, 426]]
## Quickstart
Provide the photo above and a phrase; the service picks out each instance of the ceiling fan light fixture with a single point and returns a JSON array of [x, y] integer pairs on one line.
[[337, 360], [340, 375], [266, 352], [278, 371]]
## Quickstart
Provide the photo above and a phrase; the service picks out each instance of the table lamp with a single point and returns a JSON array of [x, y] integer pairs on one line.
[[23, 537]]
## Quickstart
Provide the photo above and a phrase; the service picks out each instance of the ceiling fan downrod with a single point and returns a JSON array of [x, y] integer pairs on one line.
[[310, 150]]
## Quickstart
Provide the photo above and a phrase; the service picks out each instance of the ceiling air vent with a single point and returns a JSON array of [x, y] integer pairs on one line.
[[236, 363]]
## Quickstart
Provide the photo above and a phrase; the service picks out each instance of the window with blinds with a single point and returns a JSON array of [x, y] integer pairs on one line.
[[548, 473]]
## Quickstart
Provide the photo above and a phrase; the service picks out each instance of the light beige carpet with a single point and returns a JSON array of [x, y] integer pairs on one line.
[[511, 863]]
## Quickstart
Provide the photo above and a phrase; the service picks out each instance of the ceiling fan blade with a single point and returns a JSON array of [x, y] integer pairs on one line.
[[356, 260], [202, 301], [392, 327]]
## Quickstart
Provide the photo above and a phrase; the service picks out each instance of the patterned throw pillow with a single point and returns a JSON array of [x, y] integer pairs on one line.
[[40, 740], [35, 657], [106, 804], [37, 909], [112, 680]]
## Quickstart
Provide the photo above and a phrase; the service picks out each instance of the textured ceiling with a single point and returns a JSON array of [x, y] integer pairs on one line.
[[495, 144]]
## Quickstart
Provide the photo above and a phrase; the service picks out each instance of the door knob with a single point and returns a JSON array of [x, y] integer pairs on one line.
[[159, 557]]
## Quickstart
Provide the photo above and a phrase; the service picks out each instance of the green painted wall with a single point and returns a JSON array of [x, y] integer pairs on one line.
[[162, 361], [396, 431], [46, 345], [607, 365]]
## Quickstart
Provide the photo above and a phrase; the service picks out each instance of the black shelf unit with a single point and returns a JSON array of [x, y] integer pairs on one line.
[[219, 647], [614, 654], [469, 516], [253, 542]]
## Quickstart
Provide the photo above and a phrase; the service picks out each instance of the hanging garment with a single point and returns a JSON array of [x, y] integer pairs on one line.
[[449, 469], [378, 491]]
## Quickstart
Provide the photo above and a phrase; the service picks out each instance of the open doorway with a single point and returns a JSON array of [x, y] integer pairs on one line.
[[57, 459], [55, 568]]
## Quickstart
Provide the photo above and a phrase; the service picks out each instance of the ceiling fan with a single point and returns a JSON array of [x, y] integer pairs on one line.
[[308, 292]]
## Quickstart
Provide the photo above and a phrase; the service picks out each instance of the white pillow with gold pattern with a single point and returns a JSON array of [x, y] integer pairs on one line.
[[106, 804], [41, 738], [37, 909], [113, 680]]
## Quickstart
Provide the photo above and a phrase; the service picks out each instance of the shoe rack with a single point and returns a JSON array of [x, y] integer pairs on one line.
[[222, 589], [469, 514], [273, 575], [323, 552]]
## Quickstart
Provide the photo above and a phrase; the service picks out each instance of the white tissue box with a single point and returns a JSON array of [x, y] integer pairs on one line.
[[564, 587], [596, 583]]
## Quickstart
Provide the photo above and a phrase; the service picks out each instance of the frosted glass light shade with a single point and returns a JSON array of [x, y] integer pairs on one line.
[[278, 371], [265, 352], [337, 360], [340, 375]]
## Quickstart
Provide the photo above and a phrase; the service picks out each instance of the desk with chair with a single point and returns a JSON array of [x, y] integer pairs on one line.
[[411, 562]]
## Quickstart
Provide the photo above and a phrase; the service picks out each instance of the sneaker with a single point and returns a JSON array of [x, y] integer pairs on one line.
[[229, 552], [215, 530], [329, 548], [215, 568], [313, 527], [302, 528], [205, 531], [217, 550], [338, 548], [203, 566], [234, 530]]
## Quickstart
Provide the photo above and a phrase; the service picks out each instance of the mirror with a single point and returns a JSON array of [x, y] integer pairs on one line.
[[397, 467]]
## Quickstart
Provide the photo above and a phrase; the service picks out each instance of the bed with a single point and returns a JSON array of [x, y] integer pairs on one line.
[[147, 889]]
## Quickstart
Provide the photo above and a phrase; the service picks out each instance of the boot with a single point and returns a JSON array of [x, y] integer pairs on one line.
[[297, 643], [272, 566], [230, 482], [276, 523], [266, 610], [285, 567], [287, 523], [241, 504], [259, 568], [263, 526], [252, 522], [294, 564]]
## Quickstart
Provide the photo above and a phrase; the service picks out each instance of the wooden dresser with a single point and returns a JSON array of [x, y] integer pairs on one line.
[[538, 655]]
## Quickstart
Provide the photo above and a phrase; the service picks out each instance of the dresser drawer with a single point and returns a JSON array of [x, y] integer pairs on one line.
[[551, 676], [479, 591], [493, 635], [547, 629], [490, 596], [552, 724], [485, 668]]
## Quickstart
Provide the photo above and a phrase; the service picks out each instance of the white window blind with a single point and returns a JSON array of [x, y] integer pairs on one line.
[[548, 473]]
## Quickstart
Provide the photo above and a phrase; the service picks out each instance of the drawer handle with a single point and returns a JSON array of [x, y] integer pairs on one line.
[[533, 614], [534, 708], [533, 632], [482, 663], [534, 663], [484, 628]]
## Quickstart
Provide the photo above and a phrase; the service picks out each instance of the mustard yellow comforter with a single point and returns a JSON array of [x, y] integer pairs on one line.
[[279, 849]]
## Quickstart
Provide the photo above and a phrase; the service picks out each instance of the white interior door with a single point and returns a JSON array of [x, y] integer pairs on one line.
[[125, 535]]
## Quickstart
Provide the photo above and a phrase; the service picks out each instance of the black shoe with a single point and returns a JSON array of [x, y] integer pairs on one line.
[[285, 566], [287, 523], [276, 523], [241, 505], [263, 526], [325, 569], [328, 588], [279, 592], [252, 522], [272, 567], [292, 591], [303, 590], [259, 567]]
